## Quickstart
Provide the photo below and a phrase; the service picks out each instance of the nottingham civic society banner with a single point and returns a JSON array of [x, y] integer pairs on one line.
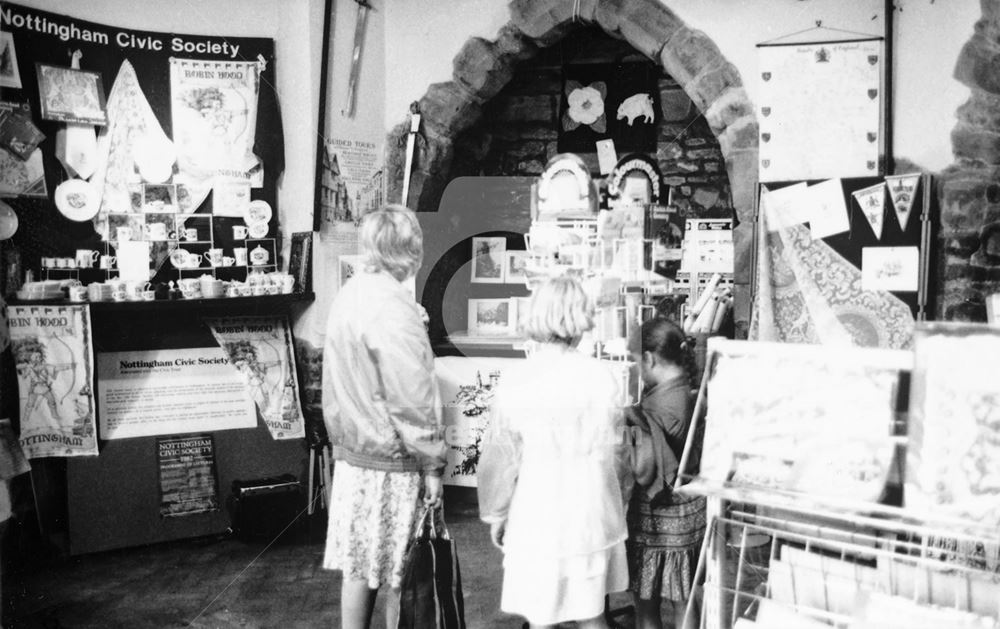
[[54, 359], [260, 348]]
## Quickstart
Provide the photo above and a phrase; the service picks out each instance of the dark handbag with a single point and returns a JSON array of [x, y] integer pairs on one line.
[[430, 594]]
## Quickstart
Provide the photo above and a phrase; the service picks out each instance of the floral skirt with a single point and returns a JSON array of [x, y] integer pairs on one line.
[[372, 517], [663, 546]]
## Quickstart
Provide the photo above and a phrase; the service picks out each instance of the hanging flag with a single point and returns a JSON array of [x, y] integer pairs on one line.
[[260, 349], [53, 354], [872, 201], [902, 189]]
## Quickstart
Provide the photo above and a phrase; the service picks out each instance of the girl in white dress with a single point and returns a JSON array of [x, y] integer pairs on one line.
[[549, 477]]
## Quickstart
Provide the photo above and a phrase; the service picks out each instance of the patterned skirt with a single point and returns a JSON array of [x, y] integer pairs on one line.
[[372, 518], [663, 546]]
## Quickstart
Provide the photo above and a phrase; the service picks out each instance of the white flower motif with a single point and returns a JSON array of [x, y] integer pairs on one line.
[[586, 105]]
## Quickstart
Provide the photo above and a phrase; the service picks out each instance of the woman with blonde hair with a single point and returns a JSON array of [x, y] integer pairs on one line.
[[380, 406], [549, 477]]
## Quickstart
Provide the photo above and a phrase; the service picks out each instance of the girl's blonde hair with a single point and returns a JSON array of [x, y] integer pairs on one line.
[[559, 311], [391, 240]]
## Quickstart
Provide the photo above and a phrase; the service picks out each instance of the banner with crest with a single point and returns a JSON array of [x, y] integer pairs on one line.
[[260, 349], [54, 357], [820, 110]]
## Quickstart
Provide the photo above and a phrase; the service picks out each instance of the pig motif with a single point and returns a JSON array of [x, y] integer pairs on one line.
[[636, 105]]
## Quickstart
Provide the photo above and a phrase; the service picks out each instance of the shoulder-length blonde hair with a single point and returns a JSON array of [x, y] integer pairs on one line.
[[559, 311], [391, 240]]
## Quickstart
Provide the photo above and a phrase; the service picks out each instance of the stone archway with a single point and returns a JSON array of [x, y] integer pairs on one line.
[[969, 262], [482, 68]]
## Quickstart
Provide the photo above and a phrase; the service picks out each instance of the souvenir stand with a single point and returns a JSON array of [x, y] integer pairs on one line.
[[149, 309]]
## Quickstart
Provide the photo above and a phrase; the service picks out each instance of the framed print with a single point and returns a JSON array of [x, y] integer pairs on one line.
[[514, 266], [69, 95], [300, 261], [10, 73], [159, 198], [491, 317], [488, 259], [347, 267]]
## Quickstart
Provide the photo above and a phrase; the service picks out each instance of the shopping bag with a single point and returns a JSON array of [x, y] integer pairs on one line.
[[431, 589]]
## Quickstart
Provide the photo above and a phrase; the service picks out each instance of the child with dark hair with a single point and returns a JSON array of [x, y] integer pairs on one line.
[[665, 528]]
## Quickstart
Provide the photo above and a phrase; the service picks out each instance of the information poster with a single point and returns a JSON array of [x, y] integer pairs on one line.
[[352, 185], [166, 392], [820, 110], [188, 481], [54, 360]]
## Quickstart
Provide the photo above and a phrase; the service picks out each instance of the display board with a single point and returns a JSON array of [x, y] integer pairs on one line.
[[820, 110], [132, 75]]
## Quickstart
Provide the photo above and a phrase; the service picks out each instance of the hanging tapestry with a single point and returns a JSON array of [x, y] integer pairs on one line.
[[131, 125], [54, 359], [214, 114], [808, 293], [260, 348], [953, 460]]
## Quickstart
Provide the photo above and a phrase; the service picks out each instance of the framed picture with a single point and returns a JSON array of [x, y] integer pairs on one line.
[[10, 72], [300, 261], [491, 317], [514, 266], [488, 259], [159, 197], [69, 95], [347, 267]]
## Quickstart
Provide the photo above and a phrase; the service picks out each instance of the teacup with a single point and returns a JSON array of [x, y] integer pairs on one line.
[[258, 289], [272, 289], [246, 290], [214, 257], [135, 288], [233, 290], [108, 262], [189, 233], [148, 295], [228, 260], [78, 293], [119, 295], [193, 261], [189, 283]]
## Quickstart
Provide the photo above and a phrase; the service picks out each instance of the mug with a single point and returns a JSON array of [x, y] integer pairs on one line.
[[135, 288], [193, 293], [239, 232], [287, 284], [65, 263], [124, 233], [85, 258], [148, 295], [78, 293], [189, 283], [214, 257], [48, 263], [119, 295], [193, 261], [246, 290], [272, 289], [156, 231], [240, 253], [233, 290], [228, 260], [108, 262], [258, 290], [189, 233]]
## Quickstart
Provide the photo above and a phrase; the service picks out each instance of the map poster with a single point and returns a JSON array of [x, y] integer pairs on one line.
[[166, 392], [54, 359], [188, 480], [260, 351], [820, 110]]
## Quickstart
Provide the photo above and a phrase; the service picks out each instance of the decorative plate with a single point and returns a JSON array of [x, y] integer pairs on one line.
[[77, 199], [257, 230], [258, 212]]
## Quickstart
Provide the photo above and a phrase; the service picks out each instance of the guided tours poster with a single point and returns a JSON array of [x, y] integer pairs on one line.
[[54, 359], [260, 349], [188, 480]]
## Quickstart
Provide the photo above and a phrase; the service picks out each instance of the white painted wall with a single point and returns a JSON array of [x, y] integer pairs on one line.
[[423, 37]]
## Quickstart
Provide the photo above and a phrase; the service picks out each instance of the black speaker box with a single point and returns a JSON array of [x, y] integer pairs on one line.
[[268, 509]]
